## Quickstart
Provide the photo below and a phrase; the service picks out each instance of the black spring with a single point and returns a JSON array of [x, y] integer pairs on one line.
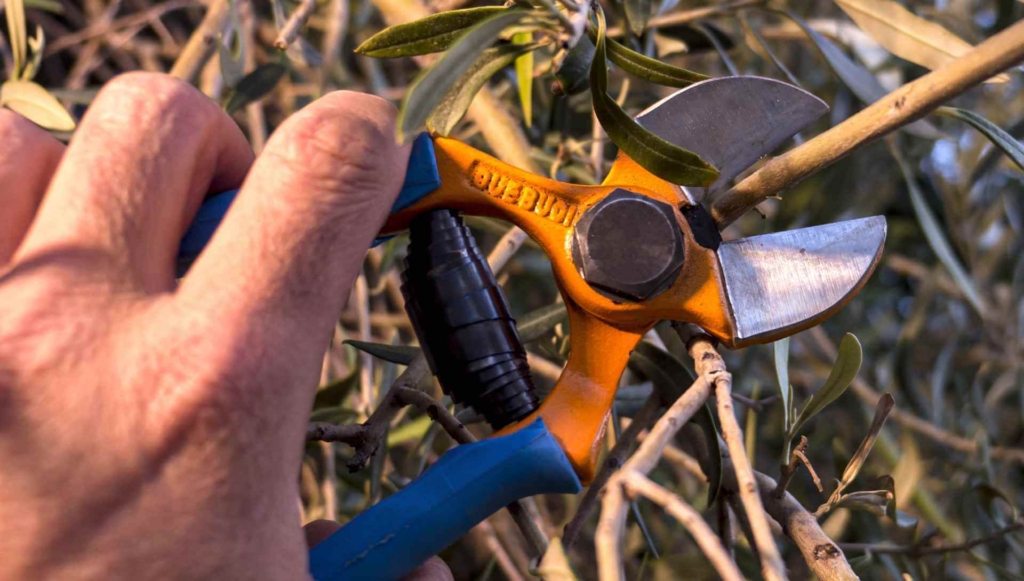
[[463, 321]]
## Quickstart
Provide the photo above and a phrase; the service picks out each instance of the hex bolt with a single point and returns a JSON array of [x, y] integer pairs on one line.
[[628, 246]]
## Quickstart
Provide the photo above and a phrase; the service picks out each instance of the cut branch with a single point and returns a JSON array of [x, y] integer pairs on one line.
[[900, 107]]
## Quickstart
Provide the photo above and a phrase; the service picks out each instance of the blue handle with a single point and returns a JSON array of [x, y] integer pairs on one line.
[[421, 178], [465, 486]]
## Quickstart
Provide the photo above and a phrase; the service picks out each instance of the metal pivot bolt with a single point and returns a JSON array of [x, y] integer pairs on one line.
[[628, 246]]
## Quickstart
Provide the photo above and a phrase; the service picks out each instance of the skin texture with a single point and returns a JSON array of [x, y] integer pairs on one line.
[[151, 429]]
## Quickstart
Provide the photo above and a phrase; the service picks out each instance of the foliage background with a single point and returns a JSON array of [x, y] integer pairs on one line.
[[946, 345]]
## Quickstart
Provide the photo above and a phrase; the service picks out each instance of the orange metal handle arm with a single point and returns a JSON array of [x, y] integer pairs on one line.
[[603, 332]]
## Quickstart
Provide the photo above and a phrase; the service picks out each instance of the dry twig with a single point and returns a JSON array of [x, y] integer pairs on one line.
[[795, 458], [710, 364], [290, 30]]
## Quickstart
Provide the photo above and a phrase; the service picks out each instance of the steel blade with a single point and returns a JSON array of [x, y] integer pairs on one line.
[[732, 121], [778, 284]]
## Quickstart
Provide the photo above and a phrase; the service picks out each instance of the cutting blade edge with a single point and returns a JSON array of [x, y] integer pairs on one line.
[[732, 122], [779, 284]]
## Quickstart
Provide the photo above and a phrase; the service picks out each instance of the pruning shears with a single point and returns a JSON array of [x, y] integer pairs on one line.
[[625, 255]]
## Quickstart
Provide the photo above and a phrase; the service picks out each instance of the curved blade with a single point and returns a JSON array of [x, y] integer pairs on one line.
[[732, 121], [778, 284]]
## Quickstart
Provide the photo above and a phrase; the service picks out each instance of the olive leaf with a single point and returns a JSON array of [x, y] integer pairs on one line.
[[432, 34], [400, 354], [431, 86], [882, 411], [637, 14], [658, 156], [453, 105], [573, 74], [672, 379], [535, 323], [52, 6], [15, 13], [1001, 139], [988, 495], [254, 86], [524, 76], [36, 104], [873, 501], [780, 351], [937, 239], [650, 69], [907, 35], [409, 431], [844, 371], [231, 50], [858, 79]]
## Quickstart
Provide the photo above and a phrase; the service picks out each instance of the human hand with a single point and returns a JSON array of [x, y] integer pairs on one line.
[[150, 429]]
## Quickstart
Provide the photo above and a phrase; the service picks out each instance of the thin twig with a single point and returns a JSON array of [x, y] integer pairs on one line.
[[290, 31], [795, 458], [921, 550], [900, 107], [203, 43], [709, 543], [710, 364], [614, 508], [687, 16]]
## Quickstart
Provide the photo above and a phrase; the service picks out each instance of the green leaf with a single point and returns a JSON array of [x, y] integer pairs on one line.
[[637, 14], [524, 76], [231, 53], [650, 69], [36, 104], [432, 34], [672, 378], [255, 86], [334, 415], [573, 74], [858, 79], [400, 354], [663, 159], [52, 6], [409, 431], [431, 86], [18, 35], [780, 349], [937, 238], [989, 495], [882, 410], [536, 323], [1001, 139], [453, 105], [844, 371], [873, 501]]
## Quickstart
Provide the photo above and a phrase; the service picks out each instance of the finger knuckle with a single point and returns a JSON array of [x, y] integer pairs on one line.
[[141, 99], [344, 140]]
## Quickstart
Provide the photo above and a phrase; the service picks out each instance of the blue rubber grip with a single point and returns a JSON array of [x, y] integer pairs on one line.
[[421, 178], [465, 486]]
